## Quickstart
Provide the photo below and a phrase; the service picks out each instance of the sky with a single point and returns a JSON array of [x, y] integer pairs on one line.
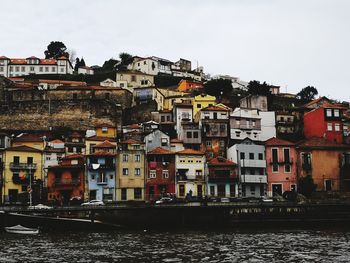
[[290, 43]]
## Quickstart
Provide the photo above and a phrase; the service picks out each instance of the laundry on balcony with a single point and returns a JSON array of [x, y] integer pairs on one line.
[[95, 166], [153, 165]]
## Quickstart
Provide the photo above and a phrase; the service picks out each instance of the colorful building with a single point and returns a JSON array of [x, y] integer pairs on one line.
[[131, 171], [190, 173], [106, 130], [202, 101], [222, 178], [281, 166], [22, 174], [188, 85], [66, 180], [325, 121], [101, 172], [161, 173], [31, 140]]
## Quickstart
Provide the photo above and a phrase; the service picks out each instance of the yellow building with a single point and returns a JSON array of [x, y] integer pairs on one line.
[[22, 169], [131, 171], [90, 142], [202, 101], [106, 130], [31, 140]]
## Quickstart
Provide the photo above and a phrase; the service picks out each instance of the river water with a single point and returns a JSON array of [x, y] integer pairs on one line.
[[179, 246]]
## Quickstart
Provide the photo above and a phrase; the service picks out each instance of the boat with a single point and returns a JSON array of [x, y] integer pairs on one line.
[[18, 229]]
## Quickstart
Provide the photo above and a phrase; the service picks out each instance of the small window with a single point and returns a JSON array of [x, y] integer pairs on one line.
[[133, 78], [251, 156], [137, 147], [199, 173], [337, 127], [104, 130], [329, 126], [329, 112], [195, 134], [137, 193], [125, 171], [165, 174], [152, 174], [199, 106], [242, 155], [137, 171], [336, 113], [261, 156], [189, 134], [208, 143], [125, 158], [137, 158]]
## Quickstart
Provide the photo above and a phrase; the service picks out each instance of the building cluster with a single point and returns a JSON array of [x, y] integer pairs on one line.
[[192, 147]]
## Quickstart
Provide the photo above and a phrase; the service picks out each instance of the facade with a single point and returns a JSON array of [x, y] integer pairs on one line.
[[281, 166], [106, 130], [289, 124], [156, 139], [189, 85], [22, 173], [324, 121], [12, 67], [31, 140], [131, 171], [66, 180], [190, 135], [160, 179], [222, 178], [202, 101], [134, 79], [326, 162], [92, 141], [75, 144], [151, 65], [190, 174], [257, 102], [147, 94], [85, 70], [250, 158], [182, 113], [101, 172], [53, 153]]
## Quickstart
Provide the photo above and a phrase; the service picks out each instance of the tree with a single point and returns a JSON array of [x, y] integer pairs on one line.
[[306, 185], [125, 60], [308, 93], [56, 49], [109, 65], [257, 88], [77, 64], [218, 87]]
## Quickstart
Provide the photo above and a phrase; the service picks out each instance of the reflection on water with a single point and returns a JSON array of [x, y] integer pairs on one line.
[[184, 246]]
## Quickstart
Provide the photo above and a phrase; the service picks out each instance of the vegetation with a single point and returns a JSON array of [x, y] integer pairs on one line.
[[308, 93], [56, 49], [257, 88], [218, 87], [79, 63]]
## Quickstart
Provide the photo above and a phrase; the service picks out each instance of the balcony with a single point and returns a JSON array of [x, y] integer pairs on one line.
[[102, 166], [252, 178], [23, 166], [66, 182], [253, 163]]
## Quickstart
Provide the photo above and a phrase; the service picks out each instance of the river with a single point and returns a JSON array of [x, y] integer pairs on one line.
[[179, 246]]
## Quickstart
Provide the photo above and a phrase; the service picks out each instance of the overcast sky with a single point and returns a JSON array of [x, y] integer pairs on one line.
[[291, 43]]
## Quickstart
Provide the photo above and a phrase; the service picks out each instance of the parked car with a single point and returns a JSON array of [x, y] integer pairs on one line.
[[39, 207], [165, 200], [93, 203]]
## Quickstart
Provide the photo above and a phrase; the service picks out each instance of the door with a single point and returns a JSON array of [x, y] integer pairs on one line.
[[276, 189], [221, 190], [66, 195], [200, 190], [328, 185], [92, 194], [13, 195]]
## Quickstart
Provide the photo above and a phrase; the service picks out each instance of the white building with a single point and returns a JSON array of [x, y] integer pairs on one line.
[[85, 70], [12, 67], [151, 65], [182, 113], [253, 124], [109, 83]]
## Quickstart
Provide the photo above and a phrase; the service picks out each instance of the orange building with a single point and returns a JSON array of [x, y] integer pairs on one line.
[[106, 130], [188, 85], [326, 162], [66, 180]]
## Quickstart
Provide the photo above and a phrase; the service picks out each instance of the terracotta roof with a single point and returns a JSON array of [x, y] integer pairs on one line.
[[73, 156], [131, 141], [67, 82], [176, 140], [29, 138], [32, 57], [190, 152], [134, 132], [3, 57], [105, 144], [160, 150], [62, 57], [56, 141], [315, 101], [278, 142], [214, 108], [102, 153], [100, 138], [23, 148], [220, 161], [134, 126], [321, 143]]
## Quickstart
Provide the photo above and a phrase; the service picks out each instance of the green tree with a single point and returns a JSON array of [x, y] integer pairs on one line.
[[218, 87], [109, 65], [308, 93], [56, 49], [306, 185], [257, 88], [125, 60]]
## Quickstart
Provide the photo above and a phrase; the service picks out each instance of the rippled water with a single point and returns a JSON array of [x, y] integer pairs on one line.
[[183, 246]]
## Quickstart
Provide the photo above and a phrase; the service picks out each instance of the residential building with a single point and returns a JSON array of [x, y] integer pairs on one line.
[[222, 178], [151, 65], [106, 130], [101, 172], [190, 174], [160, 179], [109, 83], [131, 171], [66, 180], [85, 70], [53, 153], [92, 141], [189, 85], [12, 67], [190, 135], [202, 101], [22, 174], [325, 121], [5, 141], [256, 102], [36, 141], [289, 124], [147, 94], [156, 139], [182, 112], [251, 161], [281, 166], [214, 121], [75, 143], [326, 162], [132, 79]]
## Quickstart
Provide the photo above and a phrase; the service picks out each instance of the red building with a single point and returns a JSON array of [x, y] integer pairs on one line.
[[66, 180], [161, 173], [325, 122]]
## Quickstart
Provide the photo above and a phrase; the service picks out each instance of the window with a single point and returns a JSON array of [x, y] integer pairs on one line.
[[222, 144], [189, 134], [251, 156], [137, 193], [136, 147], [41, 69], [46, 69], [125, 158], [199, 173], [164, 141], [199, 105], [104, 129], [195, 134], [137, 171], [274, 160], [125, 171], [102, 178], [215, 115], [222, 127], [53, 69], [137, 158], [162, 118], [212, 190], [1, 69], [29, 160], [337, 127], [238, 134], [328, 185], [16, 159], [329, 113], [93, 177], [133, 78], [31, 68], [287, 168], [181, 190], [62, 69], [152, 174], [165, 174], [124, 194], [329, 126], [242, 155], [23, 69], [336, 113], [261, 156], [208, 143]]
